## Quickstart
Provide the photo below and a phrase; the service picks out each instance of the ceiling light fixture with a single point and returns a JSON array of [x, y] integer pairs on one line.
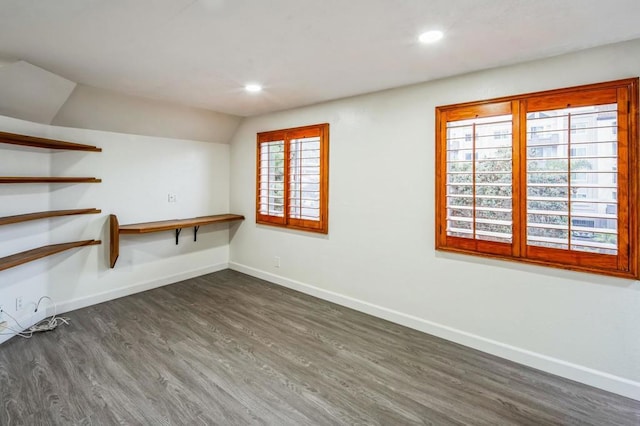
[[430, 36], [253, 88]]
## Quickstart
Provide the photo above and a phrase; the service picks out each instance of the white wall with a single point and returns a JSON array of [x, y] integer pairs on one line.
[[137, 172], [379, 254], [18, 199]]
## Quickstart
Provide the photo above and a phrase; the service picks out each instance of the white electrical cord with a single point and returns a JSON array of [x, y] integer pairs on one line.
[[46, 324], [26, 335]]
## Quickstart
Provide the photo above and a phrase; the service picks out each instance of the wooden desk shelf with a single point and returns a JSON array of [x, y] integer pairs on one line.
[[7, 220], [35, 142], [40, 252], [115, 229], [47, 179]]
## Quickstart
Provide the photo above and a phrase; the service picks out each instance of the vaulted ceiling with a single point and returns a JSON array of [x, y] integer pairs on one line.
[[202, 52]]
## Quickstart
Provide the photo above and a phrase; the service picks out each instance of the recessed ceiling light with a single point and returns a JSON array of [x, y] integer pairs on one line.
[[430, 36], [253, 88]]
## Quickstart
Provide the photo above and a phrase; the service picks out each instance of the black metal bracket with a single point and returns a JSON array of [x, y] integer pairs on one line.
[[195, 233]]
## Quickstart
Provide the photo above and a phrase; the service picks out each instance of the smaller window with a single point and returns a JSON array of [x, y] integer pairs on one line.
[[293, 178]]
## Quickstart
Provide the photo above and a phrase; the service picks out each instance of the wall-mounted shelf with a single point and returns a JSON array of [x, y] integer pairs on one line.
[[47, 179], [165, 225], [40, 252], [7, 220], [32, 141]]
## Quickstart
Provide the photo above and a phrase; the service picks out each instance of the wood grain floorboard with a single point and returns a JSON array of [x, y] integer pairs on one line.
[[230, 349]]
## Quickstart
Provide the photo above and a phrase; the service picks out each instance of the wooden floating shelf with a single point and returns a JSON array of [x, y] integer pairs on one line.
[[45, 179], [7, 220], [165, 225], [35, 142], [49, 250], [40, 252]]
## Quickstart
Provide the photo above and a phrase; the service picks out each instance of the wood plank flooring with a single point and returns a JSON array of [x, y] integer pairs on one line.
[[230, 349]]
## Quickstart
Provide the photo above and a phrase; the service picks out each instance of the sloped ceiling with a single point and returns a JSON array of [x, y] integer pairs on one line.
[[31, 93], [200, 53]]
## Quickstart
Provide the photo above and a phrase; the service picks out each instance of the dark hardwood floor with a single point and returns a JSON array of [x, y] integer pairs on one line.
[[229, 349]]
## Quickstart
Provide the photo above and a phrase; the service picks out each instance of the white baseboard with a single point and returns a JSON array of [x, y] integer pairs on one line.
[[578, 373], [116, 293], [94, 299]]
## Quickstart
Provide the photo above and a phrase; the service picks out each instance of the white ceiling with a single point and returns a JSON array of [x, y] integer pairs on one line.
[[202, 52]]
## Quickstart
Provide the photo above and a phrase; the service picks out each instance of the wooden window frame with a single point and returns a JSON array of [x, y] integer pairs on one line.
[[286, 220], [625, 263]]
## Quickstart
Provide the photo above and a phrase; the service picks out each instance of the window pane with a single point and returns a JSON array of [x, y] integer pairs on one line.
[[460, 166], [572, 173], [459, 201], [479, 178], [486, 177], [460, 177], [460, 212], [272, 178], [494, 202], [304, 178]]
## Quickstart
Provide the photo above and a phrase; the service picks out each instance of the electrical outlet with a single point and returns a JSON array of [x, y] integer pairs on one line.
[[276, 262], [18, 303], [172, 198]]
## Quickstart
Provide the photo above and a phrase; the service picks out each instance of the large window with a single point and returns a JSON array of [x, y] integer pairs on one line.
[[293, 178], [548, 178]]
